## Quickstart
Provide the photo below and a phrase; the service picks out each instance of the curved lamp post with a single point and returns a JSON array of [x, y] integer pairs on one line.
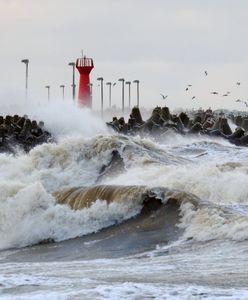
[[72, 64], [110, 94], [48, 92], [63, 91], [137, 82], [91, 93], [122, 80], [129, 93], [101, 84], [26, 62]]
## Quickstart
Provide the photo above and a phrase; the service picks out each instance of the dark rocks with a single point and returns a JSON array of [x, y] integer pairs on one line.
[[165, 113], [184, 118], [21, 133], [115, 167], [238, 133], [200, 122], [244, 124], [238, 120], [196, 128], [136, 115], [224, 127]]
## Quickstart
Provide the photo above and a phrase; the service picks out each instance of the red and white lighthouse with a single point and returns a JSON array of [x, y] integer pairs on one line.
[[84, 66]]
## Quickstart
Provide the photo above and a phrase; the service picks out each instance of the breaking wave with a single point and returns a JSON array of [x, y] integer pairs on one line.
[[205, 179]]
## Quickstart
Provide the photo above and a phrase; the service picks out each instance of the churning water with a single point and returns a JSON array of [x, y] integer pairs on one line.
[[194, 246]]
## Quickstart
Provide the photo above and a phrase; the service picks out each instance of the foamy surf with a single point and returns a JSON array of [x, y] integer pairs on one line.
[[28, 180], [198, 236]]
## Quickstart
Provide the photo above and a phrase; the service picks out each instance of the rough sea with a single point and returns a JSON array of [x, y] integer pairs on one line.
[[193, 248]]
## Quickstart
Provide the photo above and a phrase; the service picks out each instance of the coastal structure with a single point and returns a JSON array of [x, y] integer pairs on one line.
[[84, 66]]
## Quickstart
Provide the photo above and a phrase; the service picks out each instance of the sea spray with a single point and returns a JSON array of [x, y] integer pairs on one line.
[[32, 215], [27, 182], [67, 121]]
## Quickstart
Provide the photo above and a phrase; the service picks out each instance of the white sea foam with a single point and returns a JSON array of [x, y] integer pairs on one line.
[[219, 177], [211, 169], [208, 223], [27, 180], [32, 215], [159, 277], [29, 213], [62, 118]]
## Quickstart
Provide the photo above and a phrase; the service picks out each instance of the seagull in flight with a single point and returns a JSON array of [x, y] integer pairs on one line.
[[225, 95], [238, 83], [193, 97], [238, 100], [163, 96], [214, 93], [206, 73], [188, 86]]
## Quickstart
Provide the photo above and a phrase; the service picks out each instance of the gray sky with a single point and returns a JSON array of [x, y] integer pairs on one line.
[[165, 44]]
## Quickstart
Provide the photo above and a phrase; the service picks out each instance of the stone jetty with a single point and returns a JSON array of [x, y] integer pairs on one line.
[[202, 122], [21, 133]]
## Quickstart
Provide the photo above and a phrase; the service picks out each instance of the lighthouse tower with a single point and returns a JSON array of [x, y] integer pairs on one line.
[[84, 66]]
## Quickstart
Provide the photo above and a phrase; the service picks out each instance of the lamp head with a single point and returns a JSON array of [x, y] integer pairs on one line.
[[25, 61]]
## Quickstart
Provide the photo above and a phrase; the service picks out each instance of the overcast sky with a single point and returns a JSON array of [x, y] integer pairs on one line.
[[165, 44]]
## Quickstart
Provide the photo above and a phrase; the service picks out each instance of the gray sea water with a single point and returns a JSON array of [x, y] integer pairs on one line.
[[193, 250]]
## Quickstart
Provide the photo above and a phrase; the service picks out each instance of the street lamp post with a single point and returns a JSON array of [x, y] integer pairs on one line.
[[91, 94], [110, 95], [48, 92], [122, 80], [129, 93], [101, 83], [26, 62], [137, 82], [73, 80], [63, 91]]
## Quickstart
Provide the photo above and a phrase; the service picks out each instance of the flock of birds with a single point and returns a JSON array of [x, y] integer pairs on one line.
[[213, 93]]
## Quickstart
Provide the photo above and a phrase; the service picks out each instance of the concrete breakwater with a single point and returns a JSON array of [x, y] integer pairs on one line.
[[22, 133], [196, 122]]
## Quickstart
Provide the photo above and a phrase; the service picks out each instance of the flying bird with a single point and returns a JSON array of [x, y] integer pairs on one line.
[[187, 89], [114, 83], [206, 73], [193, 97], [225, 95], [190, 85], [238, 100], [163, 96], [238, 83], [214, 93]]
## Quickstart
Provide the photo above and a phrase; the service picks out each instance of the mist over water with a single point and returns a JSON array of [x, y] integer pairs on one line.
[[62, 118]]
